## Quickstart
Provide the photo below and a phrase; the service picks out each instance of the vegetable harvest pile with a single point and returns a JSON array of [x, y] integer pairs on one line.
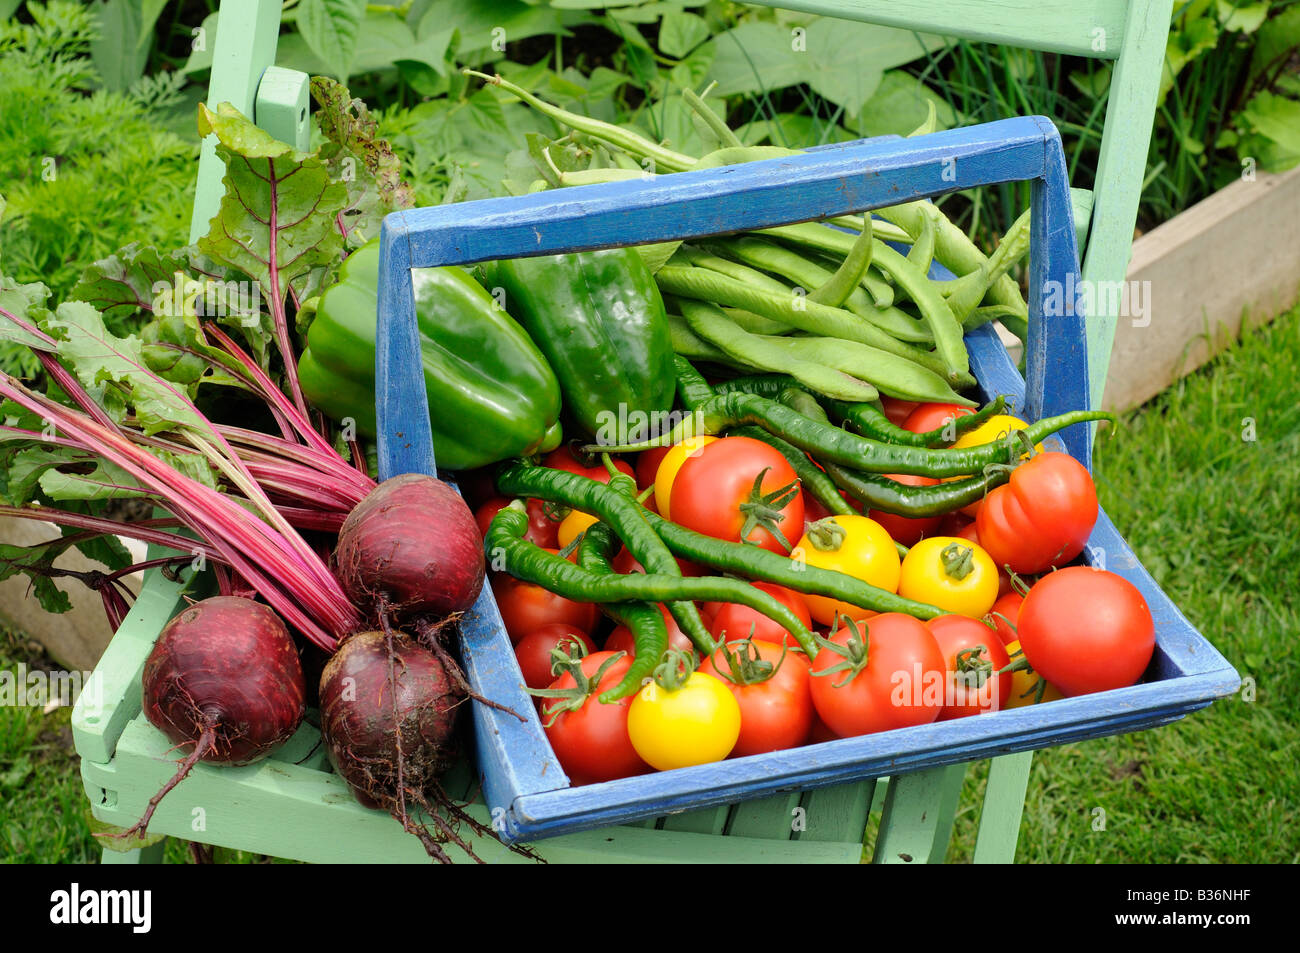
[[733, 495]]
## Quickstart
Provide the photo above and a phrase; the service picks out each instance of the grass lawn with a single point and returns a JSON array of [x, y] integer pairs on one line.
[[1205, 483]]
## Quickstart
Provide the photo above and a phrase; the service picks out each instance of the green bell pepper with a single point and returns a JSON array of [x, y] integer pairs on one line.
[[599, 319], [492, 395]]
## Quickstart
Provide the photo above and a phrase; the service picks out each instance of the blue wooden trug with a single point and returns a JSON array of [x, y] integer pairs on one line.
[[522, 780]]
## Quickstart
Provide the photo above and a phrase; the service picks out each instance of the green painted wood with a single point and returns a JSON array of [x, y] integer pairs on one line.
[[913, 814], [1121, 167], [837, 813], [1004, 802], [765, 817], [153, 854], [241, 53], [283, 105], [113, 697], [708, 820], [288, 810], [952, 787], [1058, 26]]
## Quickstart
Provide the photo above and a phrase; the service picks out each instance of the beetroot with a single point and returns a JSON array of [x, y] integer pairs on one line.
[[388, 715], [411, 547], [225, 677]]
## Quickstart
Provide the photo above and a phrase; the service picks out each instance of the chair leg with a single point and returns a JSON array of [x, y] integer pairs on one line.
[[1004, 803], [153, 854], [918, 811]]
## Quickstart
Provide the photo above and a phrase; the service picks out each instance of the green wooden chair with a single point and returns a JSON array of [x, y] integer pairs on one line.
[[290, 805]]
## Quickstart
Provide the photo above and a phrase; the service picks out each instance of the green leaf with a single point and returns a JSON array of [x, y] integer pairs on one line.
[[121, 50], [755, 57], [330, 28], [201, 59], [29, 561], [25, 302], [114, 371], [1275, 41], [279, 205], [846, 61], [899, 106], [680, 32], [1277, 119], [843, 61], [128, 282], [1197, 35], [347, 123], [1242, 19]]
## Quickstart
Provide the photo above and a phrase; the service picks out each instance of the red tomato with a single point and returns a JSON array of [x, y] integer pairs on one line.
[[901, 683], [647, 465], [563, 459], [624, 562], [929, 417], [1086, 630], [717, 481], [775, 714], [903, 529], [621, 640], [533, 651], [897, 410], [542, 530], [953, 523], [591, 742], [1004, 616], [1043, 517], [742, 622], [967, 691], [525, 607], [477, 486]]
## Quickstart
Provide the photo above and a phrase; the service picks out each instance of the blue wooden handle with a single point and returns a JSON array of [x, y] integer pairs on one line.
[[853, 177]]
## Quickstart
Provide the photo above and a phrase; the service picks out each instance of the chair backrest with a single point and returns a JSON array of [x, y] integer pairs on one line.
[[1133, 33]]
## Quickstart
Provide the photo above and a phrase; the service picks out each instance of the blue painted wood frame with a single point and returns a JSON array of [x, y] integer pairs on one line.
[[522, 781]]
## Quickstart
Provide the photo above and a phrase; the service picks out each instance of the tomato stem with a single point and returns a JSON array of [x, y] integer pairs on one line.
[[958, 560], [765, 509]]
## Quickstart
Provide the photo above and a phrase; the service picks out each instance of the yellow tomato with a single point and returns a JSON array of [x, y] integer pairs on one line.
[[573, 526], [860, 548], [995, 428], [696, 724], [952, 573], [1024, 685], [670, 464]]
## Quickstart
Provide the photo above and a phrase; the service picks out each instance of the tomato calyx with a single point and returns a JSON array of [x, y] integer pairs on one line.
[[571, 699], [674, 669], [557, 512], [973, 661], [958, 560], [1018, 584], [853, 652], [746, 669], [574, 543], [826, 535], [764, 510]]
